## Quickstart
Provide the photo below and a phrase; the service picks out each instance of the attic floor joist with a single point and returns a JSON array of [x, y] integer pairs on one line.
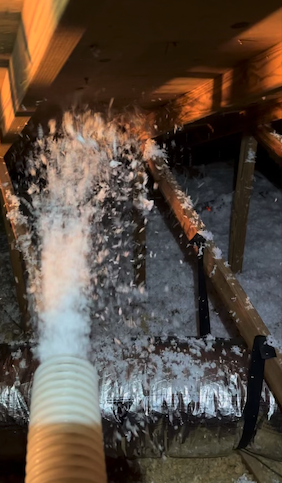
[[245, 316], [252, 81]]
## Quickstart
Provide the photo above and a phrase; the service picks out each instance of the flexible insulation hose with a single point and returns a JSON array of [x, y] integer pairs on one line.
[[65, 443]]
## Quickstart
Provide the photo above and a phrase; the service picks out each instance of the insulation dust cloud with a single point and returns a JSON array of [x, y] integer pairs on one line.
[[80, 189]]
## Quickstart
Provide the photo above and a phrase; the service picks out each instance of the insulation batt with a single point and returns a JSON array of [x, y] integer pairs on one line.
[[175, 397]]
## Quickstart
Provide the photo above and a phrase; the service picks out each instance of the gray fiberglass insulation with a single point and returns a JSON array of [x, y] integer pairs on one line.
[[173, 397]]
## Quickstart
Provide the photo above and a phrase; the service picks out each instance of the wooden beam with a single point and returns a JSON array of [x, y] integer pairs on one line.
[[241, 202], [13, 232], [226, 124], [271, 144], [266, 112], [233, 90], [262, 473], [247, 320], [216, 127], [44, 41]]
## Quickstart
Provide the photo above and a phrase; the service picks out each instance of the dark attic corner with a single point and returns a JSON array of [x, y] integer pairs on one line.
[[140, 254]]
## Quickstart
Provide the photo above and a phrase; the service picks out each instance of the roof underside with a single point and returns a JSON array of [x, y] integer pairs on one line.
[[150, 52], [59, 53]]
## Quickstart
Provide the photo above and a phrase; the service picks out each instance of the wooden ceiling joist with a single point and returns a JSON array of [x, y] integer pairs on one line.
[[43, 43], [249, 82], [245, 316]]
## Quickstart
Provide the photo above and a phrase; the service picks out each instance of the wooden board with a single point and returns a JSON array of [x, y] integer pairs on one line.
[[10, 15], [261, 472], [13, 232], [271, 144], [266, 112], [42, 45], [241, 202], [245, 316], [226, 124], [234, 90]]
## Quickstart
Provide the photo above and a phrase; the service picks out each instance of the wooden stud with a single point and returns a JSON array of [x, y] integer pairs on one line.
[[241, 202], [234, 90], [271, 144], [13, 232], [248, 321]]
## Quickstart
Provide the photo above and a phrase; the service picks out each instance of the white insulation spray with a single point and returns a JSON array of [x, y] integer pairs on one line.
[[79, 191]]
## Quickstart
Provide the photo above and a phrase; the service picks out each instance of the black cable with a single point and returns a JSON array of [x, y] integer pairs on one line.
[[260, 353], [250, 453]]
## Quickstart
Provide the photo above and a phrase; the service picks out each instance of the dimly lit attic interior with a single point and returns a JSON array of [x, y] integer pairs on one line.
[[140, 241]]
